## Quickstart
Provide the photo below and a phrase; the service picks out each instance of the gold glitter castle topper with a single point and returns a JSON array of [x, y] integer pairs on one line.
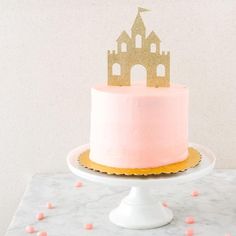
[[139, 49]]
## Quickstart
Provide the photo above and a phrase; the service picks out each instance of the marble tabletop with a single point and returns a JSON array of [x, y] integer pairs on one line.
[[214, 209]]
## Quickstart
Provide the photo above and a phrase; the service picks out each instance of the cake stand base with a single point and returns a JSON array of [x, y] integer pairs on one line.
[[140, 210]]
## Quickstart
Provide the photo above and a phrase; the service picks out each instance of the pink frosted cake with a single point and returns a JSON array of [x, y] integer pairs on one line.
[[138, 125]]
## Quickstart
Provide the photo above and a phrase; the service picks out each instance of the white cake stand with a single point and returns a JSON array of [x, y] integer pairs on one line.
[[140, 210]]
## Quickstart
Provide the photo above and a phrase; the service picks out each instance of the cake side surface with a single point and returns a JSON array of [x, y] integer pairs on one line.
[[138, 126]]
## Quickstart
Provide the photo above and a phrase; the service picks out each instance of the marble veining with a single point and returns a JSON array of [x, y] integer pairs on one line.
[[214, 210]]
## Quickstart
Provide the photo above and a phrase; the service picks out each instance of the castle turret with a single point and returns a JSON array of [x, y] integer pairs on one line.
[[123, 42], [138, 32], [153, 43]]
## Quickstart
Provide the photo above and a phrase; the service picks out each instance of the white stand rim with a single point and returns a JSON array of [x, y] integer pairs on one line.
[[139, 210]]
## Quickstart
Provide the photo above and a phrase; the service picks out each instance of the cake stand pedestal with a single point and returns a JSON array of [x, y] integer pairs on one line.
[[139, 209]]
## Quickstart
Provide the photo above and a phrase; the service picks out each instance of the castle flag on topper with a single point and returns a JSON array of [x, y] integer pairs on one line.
[[140, 9], [139, 49]]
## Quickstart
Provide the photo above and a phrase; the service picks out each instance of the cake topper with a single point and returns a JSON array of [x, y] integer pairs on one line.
[[139, 49]]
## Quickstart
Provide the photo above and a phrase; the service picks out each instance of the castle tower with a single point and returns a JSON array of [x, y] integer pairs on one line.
[[138, 32], [138, 49]]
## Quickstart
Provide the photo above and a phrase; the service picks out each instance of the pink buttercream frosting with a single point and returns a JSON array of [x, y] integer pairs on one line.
[[139, 126]]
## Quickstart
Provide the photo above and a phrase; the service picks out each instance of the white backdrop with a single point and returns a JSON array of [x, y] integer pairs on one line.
[[52, 52]]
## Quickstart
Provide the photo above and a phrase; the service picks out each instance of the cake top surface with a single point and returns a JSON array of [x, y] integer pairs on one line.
[[139, 89]]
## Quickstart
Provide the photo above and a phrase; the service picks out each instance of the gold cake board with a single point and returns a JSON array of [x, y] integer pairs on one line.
[[193, 159]]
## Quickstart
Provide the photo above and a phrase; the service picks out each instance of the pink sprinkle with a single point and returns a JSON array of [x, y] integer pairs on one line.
[[164, 204], [189, 220], [195, 193], [189, 232], [78, 184], [88, 226], [40, 216], [227, 234], [50, 205], [30, 229], [42, 233]]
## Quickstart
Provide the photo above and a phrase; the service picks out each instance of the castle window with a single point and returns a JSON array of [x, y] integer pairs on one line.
[[153, 47], [161, 70], [138, 41], [116, 69], [124, 47]]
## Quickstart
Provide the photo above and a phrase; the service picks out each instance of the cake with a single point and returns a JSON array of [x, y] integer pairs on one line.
[[138, 125]]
